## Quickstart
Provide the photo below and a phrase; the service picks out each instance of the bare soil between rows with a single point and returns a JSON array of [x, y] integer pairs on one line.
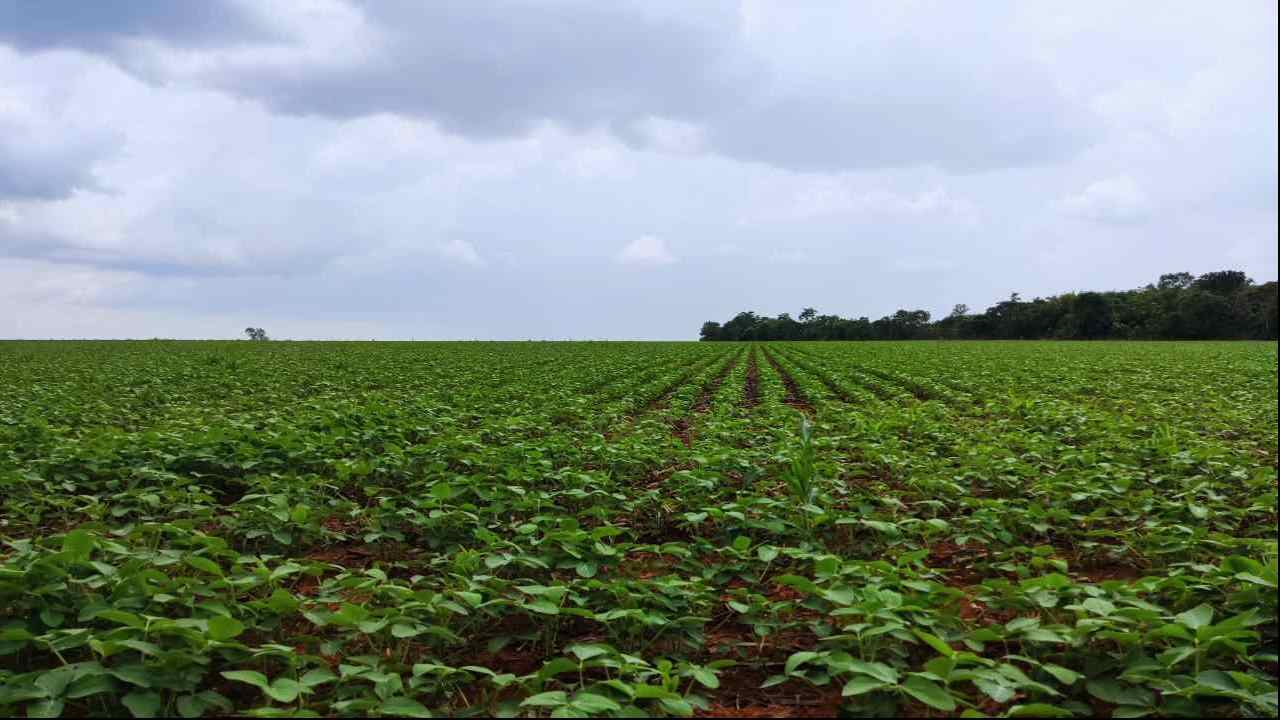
[[795, 397]]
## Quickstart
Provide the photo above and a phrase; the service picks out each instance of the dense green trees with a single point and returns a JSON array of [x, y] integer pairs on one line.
[[1217, 305]]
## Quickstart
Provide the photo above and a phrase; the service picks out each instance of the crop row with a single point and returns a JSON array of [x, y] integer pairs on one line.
[[616, 529]]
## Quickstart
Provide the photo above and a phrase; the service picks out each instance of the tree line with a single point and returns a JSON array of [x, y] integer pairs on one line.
[[1223, 305]]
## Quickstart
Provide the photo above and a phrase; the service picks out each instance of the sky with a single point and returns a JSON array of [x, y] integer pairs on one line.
[[572, 169]]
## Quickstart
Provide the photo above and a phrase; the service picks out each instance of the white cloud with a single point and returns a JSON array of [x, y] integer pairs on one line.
[[833, 197], [47, 148], [927, 202], [646, 250], [1111, 200], [462, 251], [34, 282], [671, 136]]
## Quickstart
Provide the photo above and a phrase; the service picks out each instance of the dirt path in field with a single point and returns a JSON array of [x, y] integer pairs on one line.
[[864, 381], [795, 396], [683, 427], [683, 430], [836, 391], [919, 392], [616, 390], [659, 402], [680, 427], [691, 370], [751, 391], [703, 402]]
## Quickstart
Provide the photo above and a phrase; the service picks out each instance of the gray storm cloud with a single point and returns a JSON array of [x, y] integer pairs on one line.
[[104, 24], [500, 69]]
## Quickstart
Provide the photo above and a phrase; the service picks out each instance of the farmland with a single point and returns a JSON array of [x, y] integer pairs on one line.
[[1026, 529]]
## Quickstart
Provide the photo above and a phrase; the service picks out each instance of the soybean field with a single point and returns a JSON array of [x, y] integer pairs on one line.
[[614, 529]]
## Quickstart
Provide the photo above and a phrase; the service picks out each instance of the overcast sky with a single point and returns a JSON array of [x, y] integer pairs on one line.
[[621, 169]]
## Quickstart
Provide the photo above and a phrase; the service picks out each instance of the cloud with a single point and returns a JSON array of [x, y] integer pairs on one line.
[[1111, 200], [462, 251], [35, 282], [835, 197], [101, 24], [324, 166], [661, 76], [484, 70], [646, 250], [191, 182], [671, 136], [47, 148], [33, 167]]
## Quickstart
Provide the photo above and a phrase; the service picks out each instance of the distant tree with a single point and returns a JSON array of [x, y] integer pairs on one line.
[[256, 333], [1259, 309], [1176, 281], [902, 325], [710, 331], [1223, 282], [1093, 315], [860, 329], [1217, 305], [1204, 315], [785, 328], [823, 327], [741, 327]]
